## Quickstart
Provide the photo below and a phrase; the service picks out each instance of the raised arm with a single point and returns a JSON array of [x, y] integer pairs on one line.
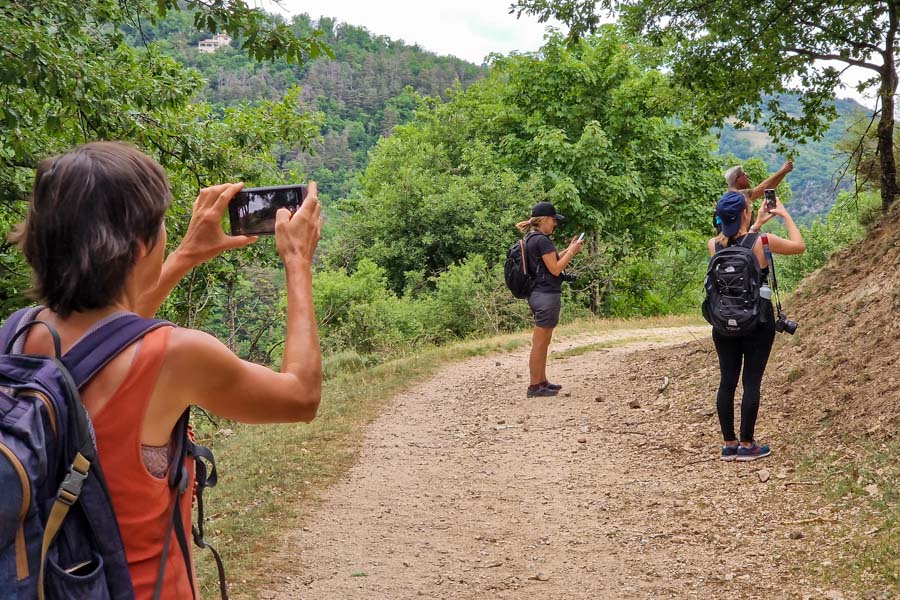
[[202, 371], [795, 243], [772, 181], [203, 241], [558, 265]]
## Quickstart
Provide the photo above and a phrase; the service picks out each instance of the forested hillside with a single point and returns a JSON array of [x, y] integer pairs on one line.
[[369, 86], [372, 83], [819, 165], [425, 164]]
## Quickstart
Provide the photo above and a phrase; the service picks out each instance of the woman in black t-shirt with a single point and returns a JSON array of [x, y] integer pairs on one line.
[[546, 265]]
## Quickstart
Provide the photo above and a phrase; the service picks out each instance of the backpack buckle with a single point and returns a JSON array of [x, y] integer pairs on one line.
[[70, 488]]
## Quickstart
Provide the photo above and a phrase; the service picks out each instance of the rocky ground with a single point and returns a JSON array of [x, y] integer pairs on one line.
[[465, 488]]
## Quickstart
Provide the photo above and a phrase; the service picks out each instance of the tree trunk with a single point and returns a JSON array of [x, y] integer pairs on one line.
[[889, 189], [886, 123], [595, 286]]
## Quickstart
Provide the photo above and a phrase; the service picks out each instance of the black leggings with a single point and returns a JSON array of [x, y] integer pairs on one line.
[[753, 351]]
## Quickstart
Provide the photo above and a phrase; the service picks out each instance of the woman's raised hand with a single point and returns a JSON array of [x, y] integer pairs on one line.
[[205, 239], [779, 209], [763, 215], [575, 245], [297, 234]]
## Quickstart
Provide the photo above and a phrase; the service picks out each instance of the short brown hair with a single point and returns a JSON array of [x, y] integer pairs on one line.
[[89, 209]]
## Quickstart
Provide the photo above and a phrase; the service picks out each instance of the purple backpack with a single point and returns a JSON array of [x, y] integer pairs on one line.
[[59, 538]]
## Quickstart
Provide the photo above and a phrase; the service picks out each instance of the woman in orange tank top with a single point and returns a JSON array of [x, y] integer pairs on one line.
[[95, 238]]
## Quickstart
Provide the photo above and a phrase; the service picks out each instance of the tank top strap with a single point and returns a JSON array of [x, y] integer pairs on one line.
[[129, 402]]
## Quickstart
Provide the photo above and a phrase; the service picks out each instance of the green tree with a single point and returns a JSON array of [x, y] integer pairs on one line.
[[737, 53], [590, 127], [67, 77]]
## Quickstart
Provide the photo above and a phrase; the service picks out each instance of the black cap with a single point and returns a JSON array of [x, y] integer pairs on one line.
[[545, 209]]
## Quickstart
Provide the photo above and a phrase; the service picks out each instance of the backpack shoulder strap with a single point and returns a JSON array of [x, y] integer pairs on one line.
[[13, 324], [746, 242], [749, 240], [100, 345], [530, 236]]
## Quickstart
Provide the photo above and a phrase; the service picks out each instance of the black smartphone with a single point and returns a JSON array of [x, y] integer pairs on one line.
[[252, 210], [770, 199]]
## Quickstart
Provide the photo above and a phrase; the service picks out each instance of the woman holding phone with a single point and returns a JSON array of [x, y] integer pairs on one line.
[[748, 353], [546, 266], [104, 203]]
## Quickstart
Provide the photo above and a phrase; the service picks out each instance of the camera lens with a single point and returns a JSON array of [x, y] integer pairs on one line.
[[785, 325]]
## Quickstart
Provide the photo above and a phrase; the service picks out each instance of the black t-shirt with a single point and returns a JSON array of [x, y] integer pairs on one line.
[[536, 247]]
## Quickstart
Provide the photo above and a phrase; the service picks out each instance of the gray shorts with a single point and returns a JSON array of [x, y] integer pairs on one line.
[[545, 306]]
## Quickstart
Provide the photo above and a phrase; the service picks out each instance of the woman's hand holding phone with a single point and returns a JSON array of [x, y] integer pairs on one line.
[[576, 244], [205, 239], [297, 234]]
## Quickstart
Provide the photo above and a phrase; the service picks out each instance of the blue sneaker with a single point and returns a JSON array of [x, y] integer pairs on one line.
[[752, 452], [729, 452]]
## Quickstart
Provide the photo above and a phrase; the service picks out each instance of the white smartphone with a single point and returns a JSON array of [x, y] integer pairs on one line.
[[581, 237]]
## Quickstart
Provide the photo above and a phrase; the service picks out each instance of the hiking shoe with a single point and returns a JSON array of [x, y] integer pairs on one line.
[[540, 390], [552, 386], [730, 452], [752, 452]]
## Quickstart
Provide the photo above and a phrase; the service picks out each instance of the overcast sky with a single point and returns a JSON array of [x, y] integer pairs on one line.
[[468, 29]]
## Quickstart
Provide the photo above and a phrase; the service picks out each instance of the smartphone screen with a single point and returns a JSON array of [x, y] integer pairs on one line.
[[770, 199], [252, 210]]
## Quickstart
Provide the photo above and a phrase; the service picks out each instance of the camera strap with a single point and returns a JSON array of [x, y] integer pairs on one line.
[[772, 279]]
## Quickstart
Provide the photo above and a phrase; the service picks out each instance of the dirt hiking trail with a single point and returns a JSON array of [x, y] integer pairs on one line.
[[465, 488]]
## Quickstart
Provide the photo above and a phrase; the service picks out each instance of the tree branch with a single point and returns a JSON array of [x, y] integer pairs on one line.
[[856, 152], [846, 40], [821, 56]]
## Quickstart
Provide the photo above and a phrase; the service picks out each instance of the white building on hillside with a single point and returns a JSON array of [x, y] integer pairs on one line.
[[211, 45]]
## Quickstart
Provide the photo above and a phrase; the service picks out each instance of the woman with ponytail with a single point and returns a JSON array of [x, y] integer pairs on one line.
[[750, 351], [546, 266]]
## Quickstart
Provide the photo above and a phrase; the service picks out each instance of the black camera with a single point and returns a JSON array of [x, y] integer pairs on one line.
[[566, 276], [785, 325]]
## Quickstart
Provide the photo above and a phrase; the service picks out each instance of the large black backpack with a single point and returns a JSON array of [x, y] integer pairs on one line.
[[519, 279], [732, 304]]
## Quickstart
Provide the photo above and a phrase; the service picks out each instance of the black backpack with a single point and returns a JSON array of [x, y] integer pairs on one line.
[[518, 279], [733, 305]]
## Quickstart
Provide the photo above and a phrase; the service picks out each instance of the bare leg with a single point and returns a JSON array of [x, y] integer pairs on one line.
[[537, 362]]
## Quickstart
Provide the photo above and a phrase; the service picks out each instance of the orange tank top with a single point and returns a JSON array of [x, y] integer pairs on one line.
[[143, 503]]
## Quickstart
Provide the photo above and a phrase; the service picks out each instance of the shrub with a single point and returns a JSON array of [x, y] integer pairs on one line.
[[357, 312], [472, 298]]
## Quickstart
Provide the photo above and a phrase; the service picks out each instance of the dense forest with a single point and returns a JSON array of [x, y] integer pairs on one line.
[[369, 85]]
